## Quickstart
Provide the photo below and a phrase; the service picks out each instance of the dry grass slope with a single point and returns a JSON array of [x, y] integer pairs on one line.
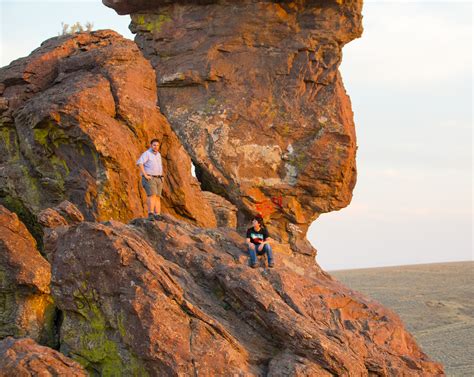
[[436, 302]]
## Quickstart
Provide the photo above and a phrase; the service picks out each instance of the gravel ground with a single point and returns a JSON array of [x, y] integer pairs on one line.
[[435, 301]]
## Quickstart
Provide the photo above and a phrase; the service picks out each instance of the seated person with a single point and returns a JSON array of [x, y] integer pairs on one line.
[[258, 242]]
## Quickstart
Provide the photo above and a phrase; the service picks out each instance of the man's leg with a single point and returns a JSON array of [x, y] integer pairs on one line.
[[159, 190], [149, 203], [157, 209], [268, 250], [152, 203], [253, 256], [149, 195]]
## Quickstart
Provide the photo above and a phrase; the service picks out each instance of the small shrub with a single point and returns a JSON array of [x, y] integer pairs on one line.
[[76, 28]]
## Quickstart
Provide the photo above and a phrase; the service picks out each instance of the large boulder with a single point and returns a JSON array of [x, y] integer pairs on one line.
[[169, 298], [26, 306], [76, 114], [24, 358], [253, 91]]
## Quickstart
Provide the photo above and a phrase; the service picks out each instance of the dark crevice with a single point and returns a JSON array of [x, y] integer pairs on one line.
[[57, 323], [191, 330], [208, 182], [50, 332]]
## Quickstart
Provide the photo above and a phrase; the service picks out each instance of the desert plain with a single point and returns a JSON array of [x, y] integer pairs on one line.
[[435, 301]]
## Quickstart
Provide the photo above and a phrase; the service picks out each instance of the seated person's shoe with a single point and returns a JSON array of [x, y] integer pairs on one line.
[[253, 265], [158, 216], [151, 217], [271, 265]]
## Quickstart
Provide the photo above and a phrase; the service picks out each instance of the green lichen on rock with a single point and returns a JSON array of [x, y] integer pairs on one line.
[[48, 134], [8, 309], [298, 160], [5, 137], [49, 164], [41, 136], [9, 148], [120, 325], [26, 314], [151, 23], [95, 342]]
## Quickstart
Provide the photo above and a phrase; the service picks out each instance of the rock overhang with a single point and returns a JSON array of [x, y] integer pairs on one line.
[[253, 91]]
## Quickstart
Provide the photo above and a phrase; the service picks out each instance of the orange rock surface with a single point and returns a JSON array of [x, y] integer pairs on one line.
[[176, 299], [253, 91], [24, 358], [26, 307], [78, 113]]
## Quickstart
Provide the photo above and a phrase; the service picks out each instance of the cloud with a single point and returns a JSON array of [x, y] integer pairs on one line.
[[407, 44]]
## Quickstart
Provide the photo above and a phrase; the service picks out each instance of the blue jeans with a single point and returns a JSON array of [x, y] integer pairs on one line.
[[265, 250]]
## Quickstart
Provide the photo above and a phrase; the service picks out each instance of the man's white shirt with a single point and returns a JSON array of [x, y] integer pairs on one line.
[[151, 162]]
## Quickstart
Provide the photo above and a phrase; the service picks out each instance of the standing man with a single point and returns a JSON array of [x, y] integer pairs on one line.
[[151, 170]]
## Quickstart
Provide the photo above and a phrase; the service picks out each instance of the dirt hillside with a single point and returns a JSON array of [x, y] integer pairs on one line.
[[436, 302]]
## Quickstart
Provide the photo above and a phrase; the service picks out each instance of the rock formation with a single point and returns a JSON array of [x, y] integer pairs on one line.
[[253, 91], [169, 298], [26, 307], [75, 116], [253, 96], [24, 358]]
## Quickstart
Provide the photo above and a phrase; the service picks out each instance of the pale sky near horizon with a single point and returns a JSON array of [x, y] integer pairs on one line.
[[410, 82]]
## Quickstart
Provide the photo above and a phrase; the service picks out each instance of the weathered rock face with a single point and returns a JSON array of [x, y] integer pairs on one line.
[[226, 212], [169, 298], [76, 114], [260, 107], [26, 307], [23, 358], [253, 91]]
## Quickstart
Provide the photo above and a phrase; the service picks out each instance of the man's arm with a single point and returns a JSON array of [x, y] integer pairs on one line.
[[142, 169], [267, 240], [249, 244], [161, 163], [266, 237]]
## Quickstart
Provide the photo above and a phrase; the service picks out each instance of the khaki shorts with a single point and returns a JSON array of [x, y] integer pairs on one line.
[[154, 186]]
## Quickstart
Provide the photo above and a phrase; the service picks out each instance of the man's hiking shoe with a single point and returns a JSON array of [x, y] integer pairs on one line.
[[271, 265], [254, 265], [151, 217], [158, 217]]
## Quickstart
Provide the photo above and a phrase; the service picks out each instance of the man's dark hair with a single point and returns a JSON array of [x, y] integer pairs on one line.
[[259, 218], [154, 141]]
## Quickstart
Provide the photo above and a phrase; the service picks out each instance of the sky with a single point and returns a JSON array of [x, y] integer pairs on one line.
[[410, 82]]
